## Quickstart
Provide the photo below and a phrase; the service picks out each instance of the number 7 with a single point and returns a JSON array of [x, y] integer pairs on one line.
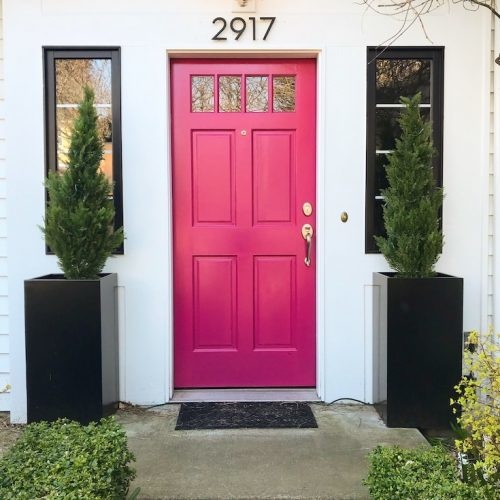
[[271, 22]]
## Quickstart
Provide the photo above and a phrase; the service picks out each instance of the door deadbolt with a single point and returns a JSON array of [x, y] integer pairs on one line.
[[307, 209]]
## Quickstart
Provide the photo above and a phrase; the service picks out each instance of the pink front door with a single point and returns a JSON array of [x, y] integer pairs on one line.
[[243, 169]]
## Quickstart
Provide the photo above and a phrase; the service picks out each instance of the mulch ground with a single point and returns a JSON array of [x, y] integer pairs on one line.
[[8, 433]]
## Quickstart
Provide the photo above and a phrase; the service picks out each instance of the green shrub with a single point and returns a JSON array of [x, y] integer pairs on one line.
[[412, 200], [421, 474], [80, 214], [66, 460], [478, 396]]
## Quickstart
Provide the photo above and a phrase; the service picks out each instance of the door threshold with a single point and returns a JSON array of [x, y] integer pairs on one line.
[[238, 395]]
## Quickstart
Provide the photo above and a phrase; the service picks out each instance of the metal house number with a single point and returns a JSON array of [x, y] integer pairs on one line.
[[238, 25]]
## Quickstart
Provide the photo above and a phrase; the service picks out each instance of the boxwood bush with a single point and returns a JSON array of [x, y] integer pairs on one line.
[[66, 460], [421, 474]]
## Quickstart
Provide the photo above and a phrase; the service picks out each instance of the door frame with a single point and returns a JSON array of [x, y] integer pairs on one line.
[[317, 54]]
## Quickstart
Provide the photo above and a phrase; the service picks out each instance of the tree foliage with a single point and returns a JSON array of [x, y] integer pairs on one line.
[[478, 395], [80, 213], [410, 12], [412, 201]]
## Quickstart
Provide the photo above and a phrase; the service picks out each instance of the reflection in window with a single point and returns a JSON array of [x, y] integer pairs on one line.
[[71, 76], [257, 93], [402, 77], [398, 72], [230, 93], [202, 93], [387, 127], [284, 93]]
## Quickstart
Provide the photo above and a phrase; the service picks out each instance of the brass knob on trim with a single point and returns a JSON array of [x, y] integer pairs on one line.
[[344, 216]]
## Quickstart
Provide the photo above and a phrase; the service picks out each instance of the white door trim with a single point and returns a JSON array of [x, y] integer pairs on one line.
[[317, 54]]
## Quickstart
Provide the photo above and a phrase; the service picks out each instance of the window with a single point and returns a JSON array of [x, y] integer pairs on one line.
[[255, 94], [394, 72], [67, 71]]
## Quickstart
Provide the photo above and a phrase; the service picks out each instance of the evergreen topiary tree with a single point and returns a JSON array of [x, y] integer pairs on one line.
[[79, 218], [412, 200]]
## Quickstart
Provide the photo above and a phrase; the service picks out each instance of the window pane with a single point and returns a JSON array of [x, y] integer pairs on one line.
[[73, 74], [283, 93], [65, 117], [64, 125], [202, 93], [402, 78], [230, 93], [387, 127], [257, 93], [379, 229], [381, 161]]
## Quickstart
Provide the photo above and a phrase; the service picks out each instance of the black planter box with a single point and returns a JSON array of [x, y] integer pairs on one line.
[[418, 348], [71, 348]]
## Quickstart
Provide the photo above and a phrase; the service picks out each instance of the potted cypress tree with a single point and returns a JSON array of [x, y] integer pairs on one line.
[[420, 311], [71, 339]]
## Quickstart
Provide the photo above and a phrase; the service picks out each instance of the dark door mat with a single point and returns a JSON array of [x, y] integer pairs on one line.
[[245, 416]]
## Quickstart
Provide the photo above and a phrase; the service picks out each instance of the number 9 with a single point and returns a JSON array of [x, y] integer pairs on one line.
[[236, 30]]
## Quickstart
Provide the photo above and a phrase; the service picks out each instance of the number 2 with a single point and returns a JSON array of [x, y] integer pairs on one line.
[[224, 25]]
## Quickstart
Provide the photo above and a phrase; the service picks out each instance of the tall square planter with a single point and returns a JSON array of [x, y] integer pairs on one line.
[[71, 348], [419, 348]]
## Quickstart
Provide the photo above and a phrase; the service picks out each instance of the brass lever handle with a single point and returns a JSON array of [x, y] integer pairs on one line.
[[307, 260], [307, 234]]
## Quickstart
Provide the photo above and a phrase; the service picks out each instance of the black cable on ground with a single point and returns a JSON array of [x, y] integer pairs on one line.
[[347, 399]]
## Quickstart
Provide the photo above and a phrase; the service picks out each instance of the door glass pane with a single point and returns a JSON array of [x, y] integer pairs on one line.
[[284, 93], [257, 93], [72, 75], [230, 93], [202, 93], [397, 78]]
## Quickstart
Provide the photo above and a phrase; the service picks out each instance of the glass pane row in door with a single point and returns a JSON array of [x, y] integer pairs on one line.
[[230, 93]]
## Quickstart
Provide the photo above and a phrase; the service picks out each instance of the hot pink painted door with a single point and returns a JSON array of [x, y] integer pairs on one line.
[[243, 168]]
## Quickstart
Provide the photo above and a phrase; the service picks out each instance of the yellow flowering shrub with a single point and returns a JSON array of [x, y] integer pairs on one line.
[[478, 395]]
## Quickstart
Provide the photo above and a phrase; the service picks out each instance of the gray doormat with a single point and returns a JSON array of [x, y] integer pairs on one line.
[[245, 415]]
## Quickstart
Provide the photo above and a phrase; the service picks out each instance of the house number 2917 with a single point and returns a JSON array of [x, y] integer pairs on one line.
[[238, 25]]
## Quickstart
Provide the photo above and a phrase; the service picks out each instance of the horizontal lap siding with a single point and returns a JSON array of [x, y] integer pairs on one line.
[[4, 302], [490, 305]]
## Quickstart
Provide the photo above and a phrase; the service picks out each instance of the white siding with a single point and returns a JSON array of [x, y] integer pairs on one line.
[[4, 312], [491, 185]]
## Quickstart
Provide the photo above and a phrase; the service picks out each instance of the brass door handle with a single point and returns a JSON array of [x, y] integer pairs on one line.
[[307, 234]]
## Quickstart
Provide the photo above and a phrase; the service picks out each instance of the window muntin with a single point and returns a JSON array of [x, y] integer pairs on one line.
[[392, 73], [67, 71]]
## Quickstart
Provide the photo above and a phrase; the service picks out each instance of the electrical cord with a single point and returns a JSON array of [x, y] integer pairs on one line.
[[314, 402], [347, 399]]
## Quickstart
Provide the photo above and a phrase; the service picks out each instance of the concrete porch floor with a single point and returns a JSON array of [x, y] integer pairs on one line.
[[328, 462]]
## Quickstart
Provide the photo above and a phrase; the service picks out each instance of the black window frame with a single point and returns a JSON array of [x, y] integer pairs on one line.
[[50, 54], [434, 54]]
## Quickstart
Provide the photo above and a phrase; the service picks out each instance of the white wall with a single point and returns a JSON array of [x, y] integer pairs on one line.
[[339, 32]]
